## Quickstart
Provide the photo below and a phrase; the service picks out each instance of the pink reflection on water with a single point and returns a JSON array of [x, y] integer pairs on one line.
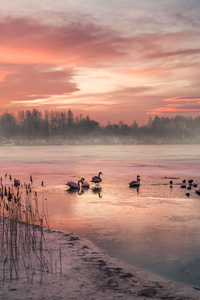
[[147, 227]]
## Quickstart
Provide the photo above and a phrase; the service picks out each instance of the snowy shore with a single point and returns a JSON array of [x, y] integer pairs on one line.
[[86, 272], [101, 140]]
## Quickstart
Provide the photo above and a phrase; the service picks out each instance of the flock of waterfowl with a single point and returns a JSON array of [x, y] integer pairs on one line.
[[83, 183], [184, 185], [135, 183], [97, 180], [189, 184]]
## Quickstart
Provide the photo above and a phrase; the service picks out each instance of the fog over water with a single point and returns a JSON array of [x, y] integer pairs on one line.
[[156, 228]]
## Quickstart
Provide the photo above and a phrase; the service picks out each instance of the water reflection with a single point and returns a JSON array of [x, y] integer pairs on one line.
[[137, 188], [76, 191], [97, 190], [85, 188], [72, 191], [157, 229]]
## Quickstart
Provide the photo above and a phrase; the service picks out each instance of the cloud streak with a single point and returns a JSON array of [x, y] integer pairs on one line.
[[179, 52], [179, 105], [182, 99], [30, 82], [74, 43], [173, 110], [26, 40]]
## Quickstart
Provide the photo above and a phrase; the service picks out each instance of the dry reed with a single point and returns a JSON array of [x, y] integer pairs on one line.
[[23, 246]]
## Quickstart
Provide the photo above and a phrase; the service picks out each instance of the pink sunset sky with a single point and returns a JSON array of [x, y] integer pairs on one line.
[[114, 60]]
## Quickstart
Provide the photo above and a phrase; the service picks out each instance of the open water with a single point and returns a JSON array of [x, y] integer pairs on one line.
[[155, 227]]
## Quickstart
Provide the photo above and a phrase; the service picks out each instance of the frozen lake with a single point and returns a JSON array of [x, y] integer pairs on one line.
[[156, 228]]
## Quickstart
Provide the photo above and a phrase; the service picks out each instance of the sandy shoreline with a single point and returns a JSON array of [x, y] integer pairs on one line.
[[86, 272]]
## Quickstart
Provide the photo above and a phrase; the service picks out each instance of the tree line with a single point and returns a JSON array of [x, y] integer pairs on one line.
[[35, 124]]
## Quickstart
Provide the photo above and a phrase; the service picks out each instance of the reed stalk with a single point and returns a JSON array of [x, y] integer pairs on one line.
[[22, 233]]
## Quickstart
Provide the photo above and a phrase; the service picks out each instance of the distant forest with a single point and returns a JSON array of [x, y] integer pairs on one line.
[[31, 125]]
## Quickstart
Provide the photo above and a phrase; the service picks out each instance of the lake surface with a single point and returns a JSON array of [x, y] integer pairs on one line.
[[156, 227]]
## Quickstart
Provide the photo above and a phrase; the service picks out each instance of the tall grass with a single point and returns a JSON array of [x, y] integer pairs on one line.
[[24, 251]]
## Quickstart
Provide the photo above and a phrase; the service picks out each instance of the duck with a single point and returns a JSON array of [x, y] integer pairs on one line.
[[135, 182], [74, 185], [198, 191], [97, 179], [183, 186]]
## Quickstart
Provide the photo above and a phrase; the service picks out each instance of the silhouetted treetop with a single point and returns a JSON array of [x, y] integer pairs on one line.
[[33, 124]]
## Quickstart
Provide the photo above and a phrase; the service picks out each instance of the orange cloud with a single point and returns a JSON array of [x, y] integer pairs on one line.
[[174, 109], [146, 72], [3, 75], [27, 41], [179, 52], [182, 99], [178, 105], [174, 38], [164, 110], [36, 61], [30, 82]]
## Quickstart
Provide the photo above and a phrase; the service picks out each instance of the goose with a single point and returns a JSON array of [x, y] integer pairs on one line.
[[135, 182], [97, 179], [74, 185]]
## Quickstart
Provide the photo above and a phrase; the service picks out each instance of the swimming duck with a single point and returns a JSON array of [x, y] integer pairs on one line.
[[198, 191], [183, 186]]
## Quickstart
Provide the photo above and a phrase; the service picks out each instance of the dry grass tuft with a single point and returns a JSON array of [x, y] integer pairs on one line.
[[22, 234]]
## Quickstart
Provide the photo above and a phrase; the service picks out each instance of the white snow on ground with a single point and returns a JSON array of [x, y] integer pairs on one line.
[[86, 272]]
